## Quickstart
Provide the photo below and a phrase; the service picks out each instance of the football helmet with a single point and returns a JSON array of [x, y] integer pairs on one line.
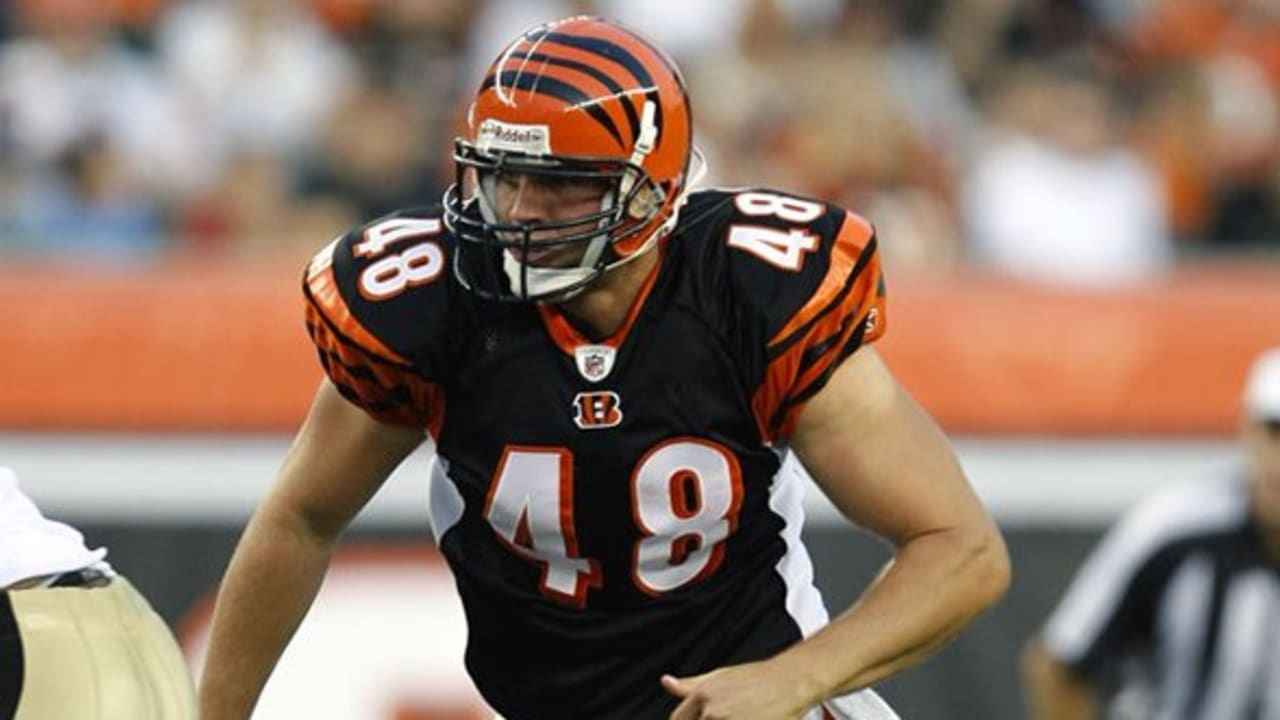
[[580, 100]]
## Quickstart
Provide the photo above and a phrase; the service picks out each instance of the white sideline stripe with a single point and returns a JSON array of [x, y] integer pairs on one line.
[[219, 479]]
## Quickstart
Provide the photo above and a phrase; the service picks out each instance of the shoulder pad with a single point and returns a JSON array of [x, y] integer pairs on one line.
[[808, 274], [378, 310]]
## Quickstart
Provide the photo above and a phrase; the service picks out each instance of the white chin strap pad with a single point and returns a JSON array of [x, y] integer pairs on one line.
[[542, 282]]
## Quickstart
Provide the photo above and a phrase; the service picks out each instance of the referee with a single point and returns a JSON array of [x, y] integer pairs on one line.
[[1176, 614], [77, 641]]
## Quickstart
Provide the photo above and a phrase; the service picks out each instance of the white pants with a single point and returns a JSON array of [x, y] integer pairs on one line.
[[861, 705]]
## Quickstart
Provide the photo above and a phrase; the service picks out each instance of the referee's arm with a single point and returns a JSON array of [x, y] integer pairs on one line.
[[1054, 691], [1100, 617]]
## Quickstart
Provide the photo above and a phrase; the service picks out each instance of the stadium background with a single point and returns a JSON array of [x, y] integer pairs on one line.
[[1079, 203]]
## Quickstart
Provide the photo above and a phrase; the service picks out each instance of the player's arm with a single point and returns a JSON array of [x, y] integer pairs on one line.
[[340, 457], [1055, 691], [1107, 610], [886, 466]]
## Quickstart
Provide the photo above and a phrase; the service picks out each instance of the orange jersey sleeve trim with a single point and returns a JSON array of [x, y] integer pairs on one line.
[[322, 290], [803, 357], [815, 376], [387, 392], [853, 239], [366, 372]]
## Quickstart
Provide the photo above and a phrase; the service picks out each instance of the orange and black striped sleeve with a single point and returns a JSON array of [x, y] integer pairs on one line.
[[367, 372], [845, 311]]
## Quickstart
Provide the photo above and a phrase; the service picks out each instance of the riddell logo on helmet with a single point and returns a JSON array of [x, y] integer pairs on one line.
[[496, 135]]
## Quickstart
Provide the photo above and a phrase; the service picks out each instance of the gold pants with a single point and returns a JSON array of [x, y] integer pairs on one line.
[[94, 653]]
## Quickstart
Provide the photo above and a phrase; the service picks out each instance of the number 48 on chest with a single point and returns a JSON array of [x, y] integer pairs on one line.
[[685, 494]]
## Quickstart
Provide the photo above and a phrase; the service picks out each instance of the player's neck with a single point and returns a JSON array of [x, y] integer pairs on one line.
[[604, 306]]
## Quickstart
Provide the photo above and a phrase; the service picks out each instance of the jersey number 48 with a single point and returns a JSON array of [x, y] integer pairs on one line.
[[685, 497]]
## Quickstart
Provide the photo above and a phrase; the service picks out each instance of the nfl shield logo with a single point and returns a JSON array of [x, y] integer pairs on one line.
[[594, 361]]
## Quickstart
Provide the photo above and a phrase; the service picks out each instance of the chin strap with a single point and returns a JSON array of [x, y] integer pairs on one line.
[[645, 143], [543, 283]]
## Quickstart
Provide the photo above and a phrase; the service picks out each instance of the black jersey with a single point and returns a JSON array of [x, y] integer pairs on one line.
[[611, 507], [1175, 614]]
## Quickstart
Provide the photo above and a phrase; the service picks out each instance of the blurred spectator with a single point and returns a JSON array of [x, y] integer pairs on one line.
[[253, 212], [740, 100], [1244, 133], [1233, 47], [417, 49], [261, 74], [912, 206], [970, 34], [817, 112], [868, 103], [136, 19], [377, 152], [1172, 129], [497, 21], [65, 77], [84, 208], [412, 56], [829, 113], [689, 31], [1203, 29], [344, 17], [1054, 196], [1049, 27], [1173, 615]]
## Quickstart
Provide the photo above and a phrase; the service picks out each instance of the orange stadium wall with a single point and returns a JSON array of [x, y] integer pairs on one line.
[[188, 346]]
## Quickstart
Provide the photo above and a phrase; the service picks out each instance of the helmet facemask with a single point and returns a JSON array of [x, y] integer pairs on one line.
[[493, 255]]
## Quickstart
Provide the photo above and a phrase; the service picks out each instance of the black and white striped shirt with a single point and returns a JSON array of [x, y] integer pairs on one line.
[[1178, 610]]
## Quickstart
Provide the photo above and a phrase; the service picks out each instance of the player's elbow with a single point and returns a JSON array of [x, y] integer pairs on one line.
[[989, 566], [283, 516]]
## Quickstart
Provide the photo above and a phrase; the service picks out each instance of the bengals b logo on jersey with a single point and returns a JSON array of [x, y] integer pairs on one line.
[[595, 410]]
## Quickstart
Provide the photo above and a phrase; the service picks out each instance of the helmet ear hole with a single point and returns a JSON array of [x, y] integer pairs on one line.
[[645, 203]]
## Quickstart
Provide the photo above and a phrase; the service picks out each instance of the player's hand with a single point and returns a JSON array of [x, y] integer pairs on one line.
[[753, 691]]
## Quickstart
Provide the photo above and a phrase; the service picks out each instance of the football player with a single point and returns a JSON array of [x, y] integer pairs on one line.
[[77, 640], [612, 369]]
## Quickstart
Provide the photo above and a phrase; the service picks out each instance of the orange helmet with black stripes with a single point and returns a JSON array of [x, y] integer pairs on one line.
[[576, 100]]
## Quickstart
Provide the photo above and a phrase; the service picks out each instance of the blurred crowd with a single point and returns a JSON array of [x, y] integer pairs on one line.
[[1078, 141]]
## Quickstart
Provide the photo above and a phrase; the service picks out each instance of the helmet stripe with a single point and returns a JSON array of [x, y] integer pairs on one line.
[[607, 50], [633, 118], [615, 53], [538, 83]]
